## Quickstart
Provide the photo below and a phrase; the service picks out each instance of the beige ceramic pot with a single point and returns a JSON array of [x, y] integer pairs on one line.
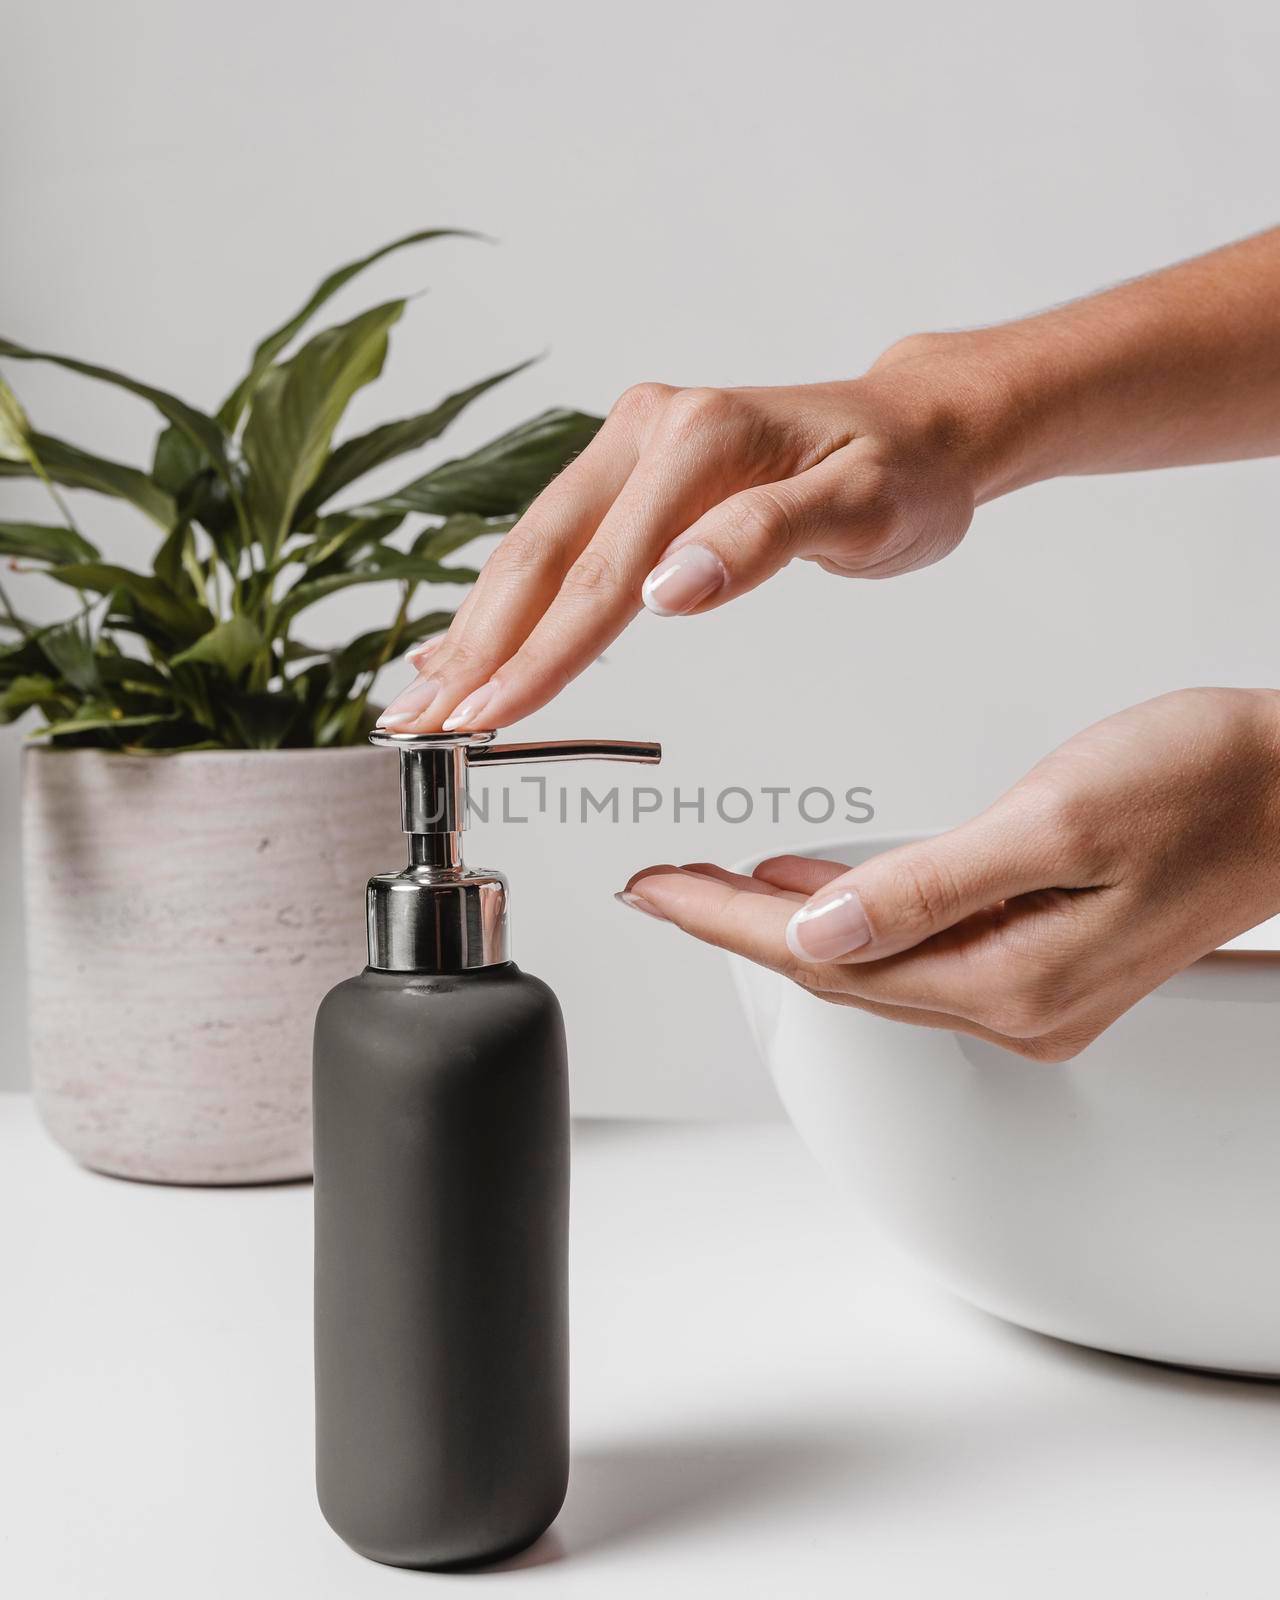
[[185, 915]]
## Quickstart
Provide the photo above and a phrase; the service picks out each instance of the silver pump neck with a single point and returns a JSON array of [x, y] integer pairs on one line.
[[439, 915]]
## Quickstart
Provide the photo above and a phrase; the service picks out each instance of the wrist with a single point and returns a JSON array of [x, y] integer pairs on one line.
[[1268, 705], [1003, 411], [1261, 831], [1240, 799]]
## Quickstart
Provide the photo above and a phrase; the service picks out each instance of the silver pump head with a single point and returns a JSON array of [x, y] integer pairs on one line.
[[439, 915]]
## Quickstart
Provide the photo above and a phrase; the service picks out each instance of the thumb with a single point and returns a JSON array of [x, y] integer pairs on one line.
[[898, 899], [751, 535]]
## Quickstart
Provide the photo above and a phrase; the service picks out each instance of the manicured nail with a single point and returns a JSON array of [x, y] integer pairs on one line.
[[688, 575], [626, 898], [829, 926], [410, 704], [470, 708], [416, 654]]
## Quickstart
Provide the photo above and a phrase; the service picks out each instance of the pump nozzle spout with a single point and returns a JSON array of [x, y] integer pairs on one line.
[[437, 916]]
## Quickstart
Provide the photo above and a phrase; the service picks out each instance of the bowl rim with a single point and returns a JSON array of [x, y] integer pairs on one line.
[[747, 864]]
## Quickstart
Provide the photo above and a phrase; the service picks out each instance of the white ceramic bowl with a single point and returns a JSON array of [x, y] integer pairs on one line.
[[1128, 1199]]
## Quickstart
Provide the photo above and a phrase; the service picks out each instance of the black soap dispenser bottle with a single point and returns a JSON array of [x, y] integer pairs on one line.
[[442, 1199]]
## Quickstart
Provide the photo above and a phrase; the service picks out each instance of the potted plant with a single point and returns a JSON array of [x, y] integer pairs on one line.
[[200, 807]]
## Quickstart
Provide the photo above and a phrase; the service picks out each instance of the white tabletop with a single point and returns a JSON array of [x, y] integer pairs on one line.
[[767, 1402]]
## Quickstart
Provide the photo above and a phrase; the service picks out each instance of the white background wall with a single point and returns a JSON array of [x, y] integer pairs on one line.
[[716, 194]]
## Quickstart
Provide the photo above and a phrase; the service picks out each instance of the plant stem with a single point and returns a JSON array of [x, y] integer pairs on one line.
[[62, 506], [215, 581], [24, 628], [391, 644], [389, 647], [241, 520]]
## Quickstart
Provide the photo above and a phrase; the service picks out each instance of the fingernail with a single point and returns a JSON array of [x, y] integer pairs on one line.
[[470, 708], [416, 654], [409, 704], [626, 898], [830, 926], [688, 575]]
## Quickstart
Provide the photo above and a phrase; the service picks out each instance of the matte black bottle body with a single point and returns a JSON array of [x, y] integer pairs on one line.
[[441, 1214]]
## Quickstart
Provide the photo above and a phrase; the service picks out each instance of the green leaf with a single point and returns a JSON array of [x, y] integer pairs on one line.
[[15, 428], [95, 720], [181, 617], [124, 615], [416, 629], [18, 458], [389, 565], [312, 689], [177, 459], [168, 563], [338, 539], [300, 650], [374, 649], [262, 721], [177, 564], [456, 532], [232, 407], [131, 676], [334, 725], [22, 658], [502, 477], [206, 499], [355, 457], [42, 541], [205, 494], [295, 411], [198, 427], [149, 745], [77, 469], [194, 685], [69, 646], [232, 645], [28, 692]]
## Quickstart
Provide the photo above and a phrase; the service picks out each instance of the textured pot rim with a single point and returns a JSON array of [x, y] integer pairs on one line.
[[808, 847]]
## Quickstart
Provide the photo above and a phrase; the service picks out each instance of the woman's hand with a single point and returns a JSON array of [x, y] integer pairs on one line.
[[1138, 846], [687, 498]]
